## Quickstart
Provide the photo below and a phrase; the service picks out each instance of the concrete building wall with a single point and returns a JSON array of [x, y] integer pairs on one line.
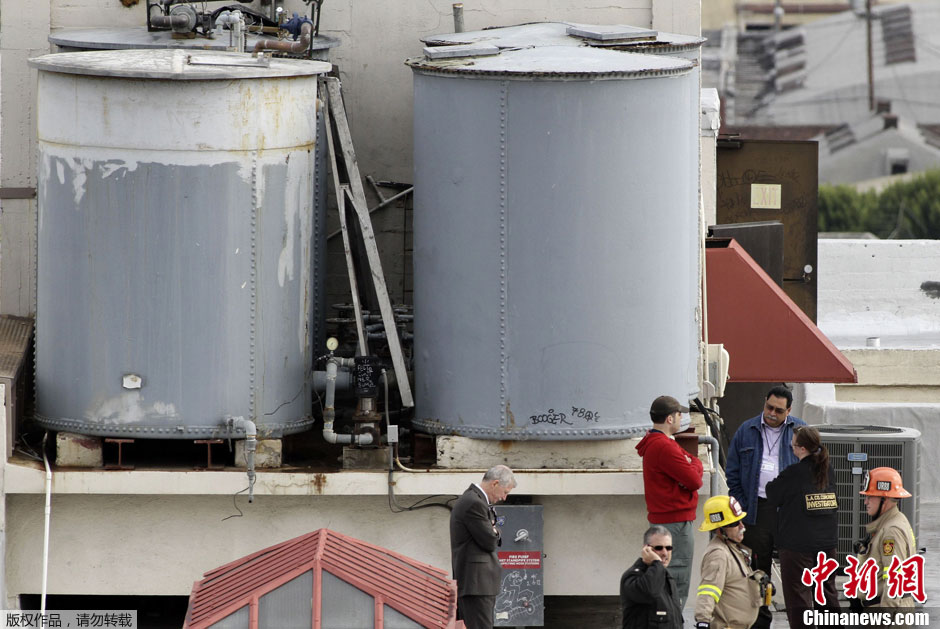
[[154, 533]]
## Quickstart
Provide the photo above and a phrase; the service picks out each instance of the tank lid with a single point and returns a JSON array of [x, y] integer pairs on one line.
[[614, 32], [559, 62], [623, 37], [176, 64], [124, 37], [460, 50]]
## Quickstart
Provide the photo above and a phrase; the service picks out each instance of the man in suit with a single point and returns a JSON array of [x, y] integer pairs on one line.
[[473, 542]]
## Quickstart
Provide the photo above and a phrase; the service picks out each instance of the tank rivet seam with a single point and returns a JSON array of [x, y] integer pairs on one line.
[[255, 205], [503, 94]]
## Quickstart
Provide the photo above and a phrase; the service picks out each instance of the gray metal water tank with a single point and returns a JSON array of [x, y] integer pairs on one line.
[[556, 241], [175, 236], [138, 37]]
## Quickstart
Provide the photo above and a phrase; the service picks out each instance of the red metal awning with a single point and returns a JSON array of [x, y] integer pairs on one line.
[[767, 336]]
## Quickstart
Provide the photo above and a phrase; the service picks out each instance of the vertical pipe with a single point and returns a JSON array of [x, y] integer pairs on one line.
[[458, 17], [47, 518], [871, 72]]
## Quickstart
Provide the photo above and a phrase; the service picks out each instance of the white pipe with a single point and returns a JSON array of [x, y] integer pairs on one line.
[[251, 444], [714, 456], [48, 518], [329, 412]]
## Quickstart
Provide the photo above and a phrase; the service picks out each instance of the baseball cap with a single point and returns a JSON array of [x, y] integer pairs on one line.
[[666, 405]]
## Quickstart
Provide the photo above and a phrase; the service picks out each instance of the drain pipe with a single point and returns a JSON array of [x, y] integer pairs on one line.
[[251, 444], [329, 412], [458, 17], [48, 516], [714, 444], [236, 23], [297, 47]]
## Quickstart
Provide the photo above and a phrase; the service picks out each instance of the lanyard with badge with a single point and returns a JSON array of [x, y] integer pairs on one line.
[[768, 461]]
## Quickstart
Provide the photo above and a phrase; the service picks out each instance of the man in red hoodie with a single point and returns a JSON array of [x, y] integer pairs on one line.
[[671, 480]]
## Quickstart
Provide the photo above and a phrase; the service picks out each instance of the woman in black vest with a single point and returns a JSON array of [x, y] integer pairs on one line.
[[807, 523]]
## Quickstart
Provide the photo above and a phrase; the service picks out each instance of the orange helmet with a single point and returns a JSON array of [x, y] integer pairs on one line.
[[883, 481]]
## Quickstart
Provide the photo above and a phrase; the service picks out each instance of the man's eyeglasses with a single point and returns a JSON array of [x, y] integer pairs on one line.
[[774, 409], [661, 547]]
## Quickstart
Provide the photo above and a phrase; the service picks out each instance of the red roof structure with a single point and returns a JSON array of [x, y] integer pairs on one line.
[[323, 575], [750, 314]]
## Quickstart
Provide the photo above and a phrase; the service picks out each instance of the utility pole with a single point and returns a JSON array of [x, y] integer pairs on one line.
[[871, 72]]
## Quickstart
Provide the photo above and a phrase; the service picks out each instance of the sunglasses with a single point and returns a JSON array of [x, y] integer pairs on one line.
[[661, 547]]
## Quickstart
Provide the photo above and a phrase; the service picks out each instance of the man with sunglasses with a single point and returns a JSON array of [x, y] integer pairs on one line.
[[648, 593], [759, 451]]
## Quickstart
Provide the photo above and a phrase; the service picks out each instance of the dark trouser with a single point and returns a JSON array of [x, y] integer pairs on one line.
[[680, 566], [476, 611], [800, 597], [759, 537]]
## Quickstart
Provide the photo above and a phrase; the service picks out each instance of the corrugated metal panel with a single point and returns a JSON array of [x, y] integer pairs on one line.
[[768, 337], [15, 333], [417, 590]]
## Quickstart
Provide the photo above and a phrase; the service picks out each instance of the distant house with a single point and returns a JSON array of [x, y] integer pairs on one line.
[[879, 146], [817, 74]]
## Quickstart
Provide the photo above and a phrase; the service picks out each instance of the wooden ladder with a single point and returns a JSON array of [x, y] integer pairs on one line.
[[348, 188]]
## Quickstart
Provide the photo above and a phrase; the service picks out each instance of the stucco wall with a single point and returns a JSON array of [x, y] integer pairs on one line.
[[159, 545], [884, 288]]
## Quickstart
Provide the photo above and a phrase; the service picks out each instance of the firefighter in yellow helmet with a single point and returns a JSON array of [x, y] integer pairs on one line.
[[889, 534], [731, 591]]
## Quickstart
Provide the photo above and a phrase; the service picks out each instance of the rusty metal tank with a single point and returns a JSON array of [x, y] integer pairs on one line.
[[555, 240], [175, 239]]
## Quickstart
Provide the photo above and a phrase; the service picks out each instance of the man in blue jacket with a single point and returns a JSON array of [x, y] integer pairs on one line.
[[759, 451]]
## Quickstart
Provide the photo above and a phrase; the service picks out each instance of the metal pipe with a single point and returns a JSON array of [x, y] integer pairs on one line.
[[177, 20], [251, 444], [378, 207], [329, 412], [297, 47], [236, 23], [47, 518], [458, 17], [182, 19], [344, 380], [714, 444]]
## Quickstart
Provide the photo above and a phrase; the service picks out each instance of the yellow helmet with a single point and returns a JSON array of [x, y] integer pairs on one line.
[[721, 511]]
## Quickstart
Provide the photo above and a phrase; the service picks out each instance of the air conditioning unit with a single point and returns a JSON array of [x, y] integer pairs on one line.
[[853, 450]]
